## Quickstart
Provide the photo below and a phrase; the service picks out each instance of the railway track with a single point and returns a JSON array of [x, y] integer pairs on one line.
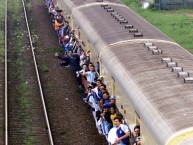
[[26, 119]]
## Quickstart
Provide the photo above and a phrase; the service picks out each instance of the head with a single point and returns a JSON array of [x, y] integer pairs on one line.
[[137, 130], [70, 52], [117, 121], [112, 100], [120, 116], [98, 82], [92, 69], [106, 95], [112, 110]]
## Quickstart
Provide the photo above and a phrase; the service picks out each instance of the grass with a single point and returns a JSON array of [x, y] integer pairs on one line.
[[178, 25], [2, 14], [44, 66], [22, 88]]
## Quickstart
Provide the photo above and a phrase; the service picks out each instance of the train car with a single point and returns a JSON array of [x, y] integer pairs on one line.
[[148, 72]]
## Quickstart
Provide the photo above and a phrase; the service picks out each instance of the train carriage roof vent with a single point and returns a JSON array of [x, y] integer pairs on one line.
[[117, 17], [114, 13], [107, 7], [133, 30], [188, 80], [148, 44], [156, 51], [177, 69], [110, 10], [124, 22], [171, 64], [121, 19], [99, 0], [166, 59], [182, 74], [104, 5], [128, 26], [152, 47], [138, 35]]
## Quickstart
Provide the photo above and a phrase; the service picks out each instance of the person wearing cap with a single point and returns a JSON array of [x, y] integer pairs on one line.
[[111, 103]]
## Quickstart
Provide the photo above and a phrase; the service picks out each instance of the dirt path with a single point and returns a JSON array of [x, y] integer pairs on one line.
[[71, 120]]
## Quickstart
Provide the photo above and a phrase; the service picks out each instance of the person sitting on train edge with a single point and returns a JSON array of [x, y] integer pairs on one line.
[[123, 132]]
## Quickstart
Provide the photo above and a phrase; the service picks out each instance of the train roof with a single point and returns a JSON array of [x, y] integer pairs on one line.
[[163, 100]]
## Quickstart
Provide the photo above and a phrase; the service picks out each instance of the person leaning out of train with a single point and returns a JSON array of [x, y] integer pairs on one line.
[[113, 114], [91, 75], [121, 133], [58, 24], [135, 136], [112, 102], [104, 100]]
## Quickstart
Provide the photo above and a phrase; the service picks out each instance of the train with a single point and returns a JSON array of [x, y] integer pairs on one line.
[[149, 73]]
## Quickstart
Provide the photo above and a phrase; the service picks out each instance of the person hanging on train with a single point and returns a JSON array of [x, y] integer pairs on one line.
[[91, 74], [58, 24], [122, 131], [113, 114], [112, 102], [74, 63]]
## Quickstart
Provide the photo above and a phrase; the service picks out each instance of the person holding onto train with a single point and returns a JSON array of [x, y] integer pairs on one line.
[[74, 62], [91, 74], [120, 134]]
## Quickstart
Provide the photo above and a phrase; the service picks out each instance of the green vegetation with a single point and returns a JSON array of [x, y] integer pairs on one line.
[[22, 88], [44, 66], [178, 25], [2, 14]]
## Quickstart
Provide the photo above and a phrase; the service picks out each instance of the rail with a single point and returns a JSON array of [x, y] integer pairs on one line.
[[37, 73], [6, 113], [38, 78]]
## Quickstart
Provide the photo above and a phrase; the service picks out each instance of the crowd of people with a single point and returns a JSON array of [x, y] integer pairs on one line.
[[108, 120]]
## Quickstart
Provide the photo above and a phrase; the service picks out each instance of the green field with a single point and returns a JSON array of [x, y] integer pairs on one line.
[[178, 25]]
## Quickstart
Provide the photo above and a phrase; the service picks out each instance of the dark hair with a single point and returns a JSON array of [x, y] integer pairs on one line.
[[104, 85], [117, 118], [106, 92], [137, 127], [120, 115]]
